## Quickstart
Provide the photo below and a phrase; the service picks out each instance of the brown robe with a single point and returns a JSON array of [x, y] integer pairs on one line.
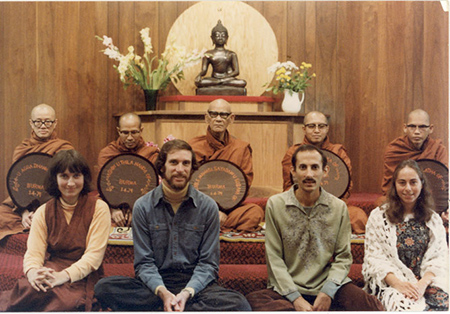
[[66, 245], [117, 147], [10, 217], [401, 149], [358, 218], [246, 217]]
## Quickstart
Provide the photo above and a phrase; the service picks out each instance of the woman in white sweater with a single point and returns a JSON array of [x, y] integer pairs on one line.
[[406, 254]]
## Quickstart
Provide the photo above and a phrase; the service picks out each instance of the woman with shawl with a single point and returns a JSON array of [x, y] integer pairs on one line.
[[406, 254]]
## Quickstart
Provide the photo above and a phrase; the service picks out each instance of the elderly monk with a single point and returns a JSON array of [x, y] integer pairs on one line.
[[415, 144], [218, 144], [43, 140], [129, 141], [316, 133]]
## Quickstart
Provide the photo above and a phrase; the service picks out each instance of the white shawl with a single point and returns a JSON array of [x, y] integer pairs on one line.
[[381, 258]]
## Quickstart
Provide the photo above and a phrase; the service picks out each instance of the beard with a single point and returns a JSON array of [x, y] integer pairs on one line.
[[178, 182]]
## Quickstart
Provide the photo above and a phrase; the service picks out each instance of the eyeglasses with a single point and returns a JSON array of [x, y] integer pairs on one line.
[[39, 123], [313, 126], [421, 127], [133, 132], [223, 115]]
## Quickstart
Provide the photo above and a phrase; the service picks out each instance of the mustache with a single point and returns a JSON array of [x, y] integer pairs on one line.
[[306, 180]]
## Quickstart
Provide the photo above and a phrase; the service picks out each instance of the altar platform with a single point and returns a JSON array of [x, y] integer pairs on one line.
[[201, 102]]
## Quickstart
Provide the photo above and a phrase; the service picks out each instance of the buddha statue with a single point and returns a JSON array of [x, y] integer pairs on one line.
[[225, 68]]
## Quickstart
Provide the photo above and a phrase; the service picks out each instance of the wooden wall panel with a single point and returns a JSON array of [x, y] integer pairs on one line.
[[375, 61]]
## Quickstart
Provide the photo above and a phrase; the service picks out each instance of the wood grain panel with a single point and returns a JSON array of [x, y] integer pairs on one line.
[[375, 61]]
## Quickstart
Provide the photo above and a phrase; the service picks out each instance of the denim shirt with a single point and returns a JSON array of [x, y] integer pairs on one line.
[[185, 241]]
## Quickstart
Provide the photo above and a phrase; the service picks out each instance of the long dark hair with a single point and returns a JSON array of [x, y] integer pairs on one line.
[[424, 207], [75, 163]]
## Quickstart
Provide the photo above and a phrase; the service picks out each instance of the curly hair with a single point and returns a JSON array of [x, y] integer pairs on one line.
[[424, 207], [67, 160], [172, 146]]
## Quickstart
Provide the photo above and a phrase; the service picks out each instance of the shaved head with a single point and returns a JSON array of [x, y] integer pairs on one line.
[[40, 116], [220, 105], [419, 113], [129, 129], [315, 116], [315, 128], [130, 117], [42, 108], [219, 117], [418, 127]]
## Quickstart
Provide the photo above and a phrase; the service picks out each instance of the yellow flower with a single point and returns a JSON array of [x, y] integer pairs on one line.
[[280, 71], [314, 75], [302, 67], [308, 65]]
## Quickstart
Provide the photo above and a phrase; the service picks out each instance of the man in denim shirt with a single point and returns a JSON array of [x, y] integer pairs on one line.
[[176, 247]]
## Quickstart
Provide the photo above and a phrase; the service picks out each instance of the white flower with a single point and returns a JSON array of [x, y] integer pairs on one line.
[[113, 54], [289, 65], [107, 41], [274, 67], [145, 37]]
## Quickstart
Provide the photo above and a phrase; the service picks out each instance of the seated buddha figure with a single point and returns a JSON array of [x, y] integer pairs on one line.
[[225, 68]]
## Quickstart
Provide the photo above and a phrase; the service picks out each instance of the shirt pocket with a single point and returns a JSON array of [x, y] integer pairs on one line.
[[192, 235], [159, 237]]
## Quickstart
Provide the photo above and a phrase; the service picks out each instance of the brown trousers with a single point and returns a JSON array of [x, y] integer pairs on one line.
[[348, 298]]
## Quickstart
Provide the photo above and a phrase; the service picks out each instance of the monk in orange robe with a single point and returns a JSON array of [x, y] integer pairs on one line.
[[218, 144], [316, 133], [43, 140], [129, 141], [415, 144]]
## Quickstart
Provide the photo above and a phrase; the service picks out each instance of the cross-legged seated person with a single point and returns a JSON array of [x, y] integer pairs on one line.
[[308, 246], [316, 133], [406, 253], [219, 144], [176, 247], [67, 242]]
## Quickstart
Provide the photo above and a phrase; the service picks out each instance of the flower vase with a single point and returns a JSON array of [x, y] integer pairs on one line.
[[151, 98], [291, 102]]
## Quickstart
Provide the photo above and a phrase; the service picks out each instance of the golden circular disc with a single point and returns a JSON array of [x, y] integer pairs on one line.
[[250, 37]]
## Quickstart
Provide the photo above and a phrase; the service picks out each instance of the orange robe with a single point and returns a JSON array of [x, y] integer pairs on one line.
[[401, 149], [10, 219], [358, 218], [117, 147], [245, 217]]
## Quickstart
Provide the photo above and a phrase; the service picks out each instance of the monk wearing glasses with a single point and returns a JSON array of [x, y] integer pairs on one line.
[[43, 140], [219, 144]]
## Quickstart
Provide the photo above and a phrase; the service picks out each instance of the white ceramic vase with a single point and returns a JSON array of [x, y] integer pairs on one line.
[[291, 102]]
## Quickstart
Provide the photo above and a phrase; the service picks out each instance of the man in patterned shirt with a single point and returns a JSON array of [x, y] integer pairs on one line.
[[308, 246]]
